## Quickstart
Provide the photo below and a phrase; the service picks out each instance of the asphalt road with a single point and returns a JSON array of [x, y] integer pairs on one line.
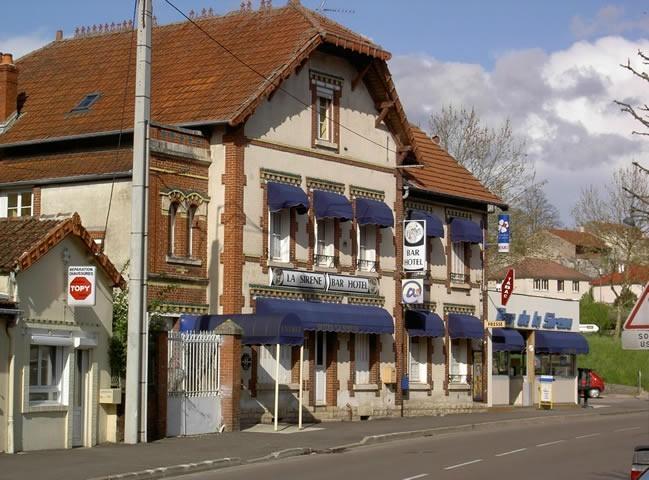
[[598, 448]]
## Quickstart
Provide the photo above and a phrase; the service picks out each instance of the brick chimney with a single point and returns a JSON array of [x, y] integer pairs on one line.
[[8, 87]]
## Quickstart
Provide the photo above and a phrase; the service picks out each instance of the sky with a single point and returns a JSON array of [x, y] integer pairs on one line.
[[553, 68]]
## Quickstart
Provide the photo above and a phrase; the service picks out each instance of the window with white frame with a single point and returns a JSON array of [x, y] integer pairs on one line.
[[542, 284], [173, 213], [325, 252], [458, 262], [325, 115], [46, 366], [191, 214], [367, 248], [362, 358], [418, 360], [575, 286], [279, 233], [267, 364], [459, 368], [16, 204]]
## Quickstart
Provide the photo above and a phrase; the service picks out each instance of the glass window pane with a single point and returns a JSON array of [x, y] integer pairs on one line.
[[33, 365]]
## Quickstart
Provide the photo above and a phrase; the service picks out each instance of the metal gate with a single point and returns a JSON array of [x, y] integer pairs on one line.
[[193, 401]]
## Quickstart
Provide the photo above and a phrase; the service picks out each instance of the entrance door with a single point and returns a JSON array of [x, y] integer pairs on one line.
[[477, 376], [79, 401], [320, 368]]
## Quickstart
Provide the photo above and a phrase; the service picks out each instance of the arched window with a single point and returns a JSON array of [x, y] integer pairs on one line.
[[191, 213], [173, 211]]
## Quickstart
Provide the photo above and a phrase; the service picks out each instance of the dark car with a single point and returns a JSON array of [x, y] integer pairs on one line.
[[596, 385], [640, 465]]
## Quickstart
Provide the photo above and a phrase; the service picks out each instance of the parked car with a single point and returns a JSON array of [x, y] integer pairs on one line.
[[597, 385], [640, 465]]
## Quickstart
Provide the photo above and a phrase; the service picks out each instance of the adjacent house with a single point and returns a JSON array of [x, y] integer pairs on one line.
[[279, 181], [607, 288], [55, 355], [577, 249], [544, 278]]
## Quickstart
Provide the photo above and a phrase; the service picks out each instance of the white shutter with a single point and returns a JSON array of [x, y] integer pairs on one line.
[[285, 235], [418, 359], [329, 237], [458, 258], [267, 363], [362, 358], [370, 242]]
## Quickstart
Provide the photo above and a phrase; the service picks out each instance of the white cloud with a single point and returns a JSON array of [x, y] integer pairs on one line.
[[609, 20], [19, 45], [560, 102]]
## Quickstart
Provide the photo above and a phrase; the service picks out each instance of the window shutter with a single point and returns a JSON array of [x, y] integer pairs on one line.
[[362, 358], [285, 234], [329, 237]]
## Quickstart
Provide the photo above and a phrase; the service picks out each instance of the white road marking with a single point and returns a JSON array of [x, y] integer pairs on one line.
[[627, 429], [463, 464], [421, 475], [550, 443], [589, 435], [510, 452]]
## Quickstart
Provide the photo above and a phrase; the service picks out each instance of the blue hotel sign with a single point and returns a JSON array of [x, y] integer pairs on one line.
[[535, 321]]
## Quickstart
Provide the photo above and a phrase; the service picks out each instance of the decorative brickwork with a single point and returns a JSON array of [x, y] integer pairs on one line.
[[333, 384], [230, 370], [233, 219], [375, 362]]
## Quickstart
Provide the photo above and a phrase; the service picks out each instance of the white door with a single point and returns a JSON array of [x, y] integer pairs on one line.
[[320, 368], [79, 401]]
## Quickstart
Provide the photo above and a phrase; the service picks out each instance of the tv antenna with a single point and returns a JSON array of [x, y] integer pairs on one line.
[[323, 8]]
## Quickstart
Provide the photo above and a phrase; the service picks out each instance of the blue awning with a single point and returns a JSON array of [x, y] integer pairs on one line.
[[280, 329], [373, 212], [283, 195], [507, 340], [434, 226], [331, 205], [464, 326], [559, 342], [331, 317], [421, 323], [465, 231]]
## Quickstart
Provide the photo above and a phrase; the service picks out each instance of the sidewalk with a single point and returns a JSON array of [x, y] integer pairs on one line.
[[106, 460]]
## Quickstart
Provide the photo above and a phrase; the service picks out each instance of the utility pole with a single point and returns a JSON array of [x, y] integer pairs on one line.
[[136, 353]]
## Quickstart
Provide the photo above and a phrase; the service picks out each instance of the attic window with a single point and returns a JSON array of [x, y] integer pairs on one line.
[[86, 102]]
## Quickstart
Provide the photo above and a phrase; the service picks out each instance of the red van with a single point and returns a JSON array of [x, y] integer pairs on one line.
[[596, 385]]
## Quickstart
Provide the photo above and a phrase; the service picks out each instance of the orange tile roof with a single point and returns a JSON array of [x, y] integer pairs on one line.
[[540, 268], [637, 274], [59, 165], [26, 239], [193, 79], [443, 174], [583, 239]]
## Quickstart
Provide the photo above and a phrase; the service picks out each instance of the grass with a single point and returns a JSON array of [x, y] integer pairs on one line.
[[615, 365]]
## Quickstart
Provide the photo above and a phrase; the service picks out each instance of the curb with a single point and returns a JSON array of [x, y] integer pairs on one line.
[[217, 464]]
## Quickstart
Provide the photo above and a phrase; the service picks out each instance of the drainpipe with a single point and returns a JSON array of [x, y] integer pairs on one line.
[[11, 444]]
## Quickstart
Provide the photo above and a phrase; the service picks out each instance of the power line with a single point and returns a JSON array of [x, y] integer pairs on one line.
[[267, 79], [121, 125]]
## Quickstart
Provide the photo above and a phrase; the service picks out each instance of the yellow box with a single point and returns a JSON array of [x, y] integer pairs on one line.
[[388, 374], [110, 395]]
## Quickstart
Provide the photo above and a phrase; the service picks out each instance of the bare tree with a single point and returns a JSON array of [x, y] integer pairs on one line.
[[498, 159], [639, 202], [494, 155], [602, 213]]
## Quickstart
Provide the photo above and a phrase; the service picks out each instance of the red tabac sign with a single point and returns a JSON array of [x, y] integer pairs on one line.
[[507, 287], [81, 286]]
